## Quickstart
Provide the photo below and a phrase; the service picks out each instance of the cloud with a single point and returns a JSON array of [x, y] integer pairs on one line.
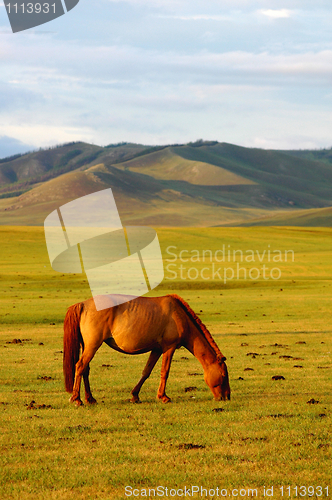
[[196, 17], [276, 14], [296, 141], [171, 70], [62, 68]]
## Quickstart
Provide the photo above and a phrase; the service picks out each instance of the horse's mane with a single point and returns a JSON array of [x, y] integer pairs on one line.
[[186, 307]]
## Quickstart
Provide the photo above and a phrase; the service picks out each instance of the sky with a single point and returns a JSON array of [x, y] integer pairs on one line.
[[256, 73]]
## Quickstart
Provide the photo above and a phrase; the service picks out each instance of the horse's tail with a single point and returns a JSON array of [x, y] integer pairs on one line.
[[186, 307], [72, 340]]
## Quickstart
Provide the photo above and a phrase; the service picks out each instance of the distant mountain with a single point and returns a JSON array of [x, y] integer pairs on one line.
[[198, 184], [10, 146]]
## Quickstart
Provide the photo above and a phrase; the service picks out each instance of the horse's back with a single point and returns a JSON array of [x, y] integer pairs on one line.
[[139, 325]]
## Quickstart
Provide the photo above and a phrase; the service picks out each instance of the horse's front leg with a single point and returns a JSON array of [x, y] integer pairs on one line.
[[166, 364], [153, 358]]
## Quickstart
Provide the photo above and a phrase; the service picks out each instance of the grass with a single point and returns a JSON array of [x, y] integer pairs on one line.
[[267, 435]]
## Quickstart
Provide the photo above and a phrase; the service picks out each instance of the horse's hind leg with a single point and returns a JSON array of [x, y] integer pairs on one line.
[[82, 369], [165, 367], [88, 396], [153, 358]]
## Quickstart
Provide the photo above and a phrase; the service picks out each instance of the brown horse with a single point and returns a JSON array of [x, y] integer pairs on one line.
[[156, 324]]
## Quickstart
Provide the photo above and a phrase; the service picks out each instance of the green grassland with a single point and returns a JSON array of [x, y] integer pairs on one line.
[[267, 435]]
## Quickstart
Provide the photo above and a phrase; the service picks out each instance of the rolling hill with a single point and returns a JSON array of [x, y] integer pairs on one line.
[[312, 217], [198, 184]]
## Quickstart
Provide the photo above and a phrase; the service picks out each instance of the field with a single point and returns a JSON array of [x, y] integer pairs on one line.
[[273, 433]]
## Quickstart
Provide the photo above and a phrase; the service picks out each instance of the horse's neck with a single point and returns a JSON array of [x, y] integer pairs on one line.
[[198, 345]]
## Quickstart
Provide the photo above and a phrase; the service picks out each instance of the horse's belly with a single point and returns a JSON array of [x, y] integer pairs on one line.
[[125, 344]]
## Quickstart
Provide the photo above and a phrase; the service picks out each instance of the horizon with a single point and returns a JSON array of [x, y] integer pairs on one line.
[[59, 145]]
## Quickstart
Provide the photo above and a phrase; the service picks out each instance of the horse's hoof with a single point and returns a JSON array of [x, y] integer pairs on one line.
[[165, 399], [91, 401], [135, 400], [77, 402]]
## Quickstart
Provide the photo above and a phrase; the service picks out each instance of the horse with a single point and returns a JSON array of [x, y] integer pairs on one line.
[[158, 325]]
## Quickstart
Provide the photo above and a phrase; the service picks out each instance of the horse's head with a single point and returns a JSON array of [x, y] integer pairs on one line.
[[216, 377]]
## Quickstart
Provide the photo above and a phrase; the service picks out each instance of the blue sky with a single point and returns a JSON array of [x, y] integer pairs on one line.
[[253, 73]]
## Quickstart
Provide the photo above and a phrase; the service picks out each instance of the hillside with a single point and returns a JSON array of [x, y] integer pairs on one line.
[[168, 165], [140, 198], [21, 172], [324, 155], [285, 179], [199, 184], [313, 217]]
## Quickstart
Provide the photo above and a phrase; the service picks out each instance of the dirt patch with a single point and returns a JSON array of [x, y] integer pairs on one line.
[[191, 446], [312, 401], [190, 389], [44, 377], [280, 415], [248, 370], [33, 406], [254, 439], [278, 377]]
